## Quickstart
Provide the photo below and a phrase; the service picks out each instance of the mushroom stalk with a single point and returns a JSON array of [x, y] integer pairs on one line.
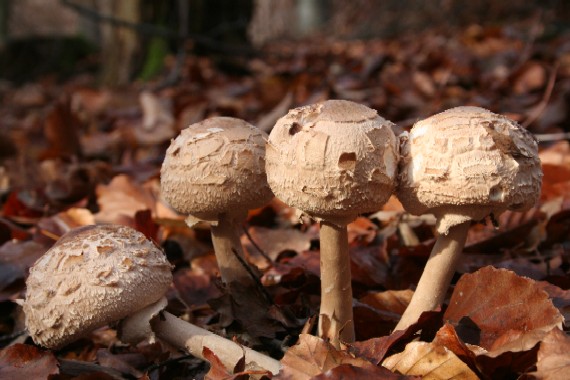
[[179, 333], [436, 277], [227, 247], [336, 317]]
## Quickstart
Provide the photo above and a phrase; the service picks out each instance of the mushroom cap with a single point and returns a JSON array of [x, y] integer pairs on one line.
[[332, 160], [465, 163], [92, 276], [216, 166]]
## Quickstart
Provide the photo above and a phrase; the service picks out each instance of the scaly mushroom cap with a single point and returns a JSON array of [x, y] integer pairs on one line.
[[332, 160], [216, 166], [92, 276], [466, 163]]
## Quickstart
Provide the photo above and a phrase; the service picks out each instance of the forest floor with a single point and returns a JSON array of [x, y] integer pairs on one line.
[[73, 154]]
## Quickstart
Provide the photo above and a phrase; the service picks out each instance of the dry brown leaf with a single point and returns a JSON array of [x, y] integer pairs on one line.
[[312, 356], [16, 258], [350, 372], [429, 360], [553, 357], [21, 361], [121, 199], [272, 242], [560, 298], [505, 307], [530, 77], [447, 337], [361, 230], [195, 289], [394, 301]]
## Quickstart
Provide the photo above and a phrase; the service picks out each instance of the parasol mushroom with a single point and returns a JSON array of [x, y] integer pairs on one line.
[[214, 171], [96, 275], [333, 161], [462, 165]]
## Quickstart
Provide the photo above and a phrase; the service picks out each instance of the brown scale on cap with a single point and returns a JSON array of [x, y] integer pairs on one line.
[[466, 163], [216, 166], [92, 276], [333, 160]]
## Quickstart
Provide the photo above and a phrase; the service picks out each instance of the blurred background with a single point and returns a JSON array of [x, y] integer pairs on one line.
[[113, 81]]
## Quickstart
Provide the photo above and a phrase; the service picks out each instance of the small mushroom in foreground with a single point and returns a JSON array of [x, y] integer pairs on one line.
[[215, 171], [333, 160], [96, 275], [462, 165]]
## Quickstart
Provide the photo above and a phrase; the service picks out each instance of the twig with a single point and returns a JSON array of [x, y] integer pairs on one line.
[[253, 276], [11, 336], [548, 137], [261, 251], [539, 108]]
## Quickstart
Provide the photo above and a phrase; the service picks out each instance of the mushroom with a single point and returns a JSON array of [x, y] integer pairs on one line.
[[462, 165], [333, 161], [214, 171], [96, 275]]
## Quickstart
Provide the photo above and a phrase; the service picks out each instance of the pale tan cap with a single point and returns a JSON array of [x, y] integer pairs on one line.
[[332, 160], [466, 163], [92, 276], [216, 166]]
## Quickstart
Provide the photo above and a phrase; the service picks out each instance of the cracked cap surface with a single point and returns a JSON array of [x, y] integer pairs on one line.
[[92, 276], [465, 163], [216, 166], [332, 160]]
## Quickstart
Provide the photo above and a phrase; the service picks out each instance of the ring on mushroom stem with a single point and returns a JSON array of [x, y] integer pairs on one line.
[[333, 161], [462, 165], [96, 275], [215, 171]]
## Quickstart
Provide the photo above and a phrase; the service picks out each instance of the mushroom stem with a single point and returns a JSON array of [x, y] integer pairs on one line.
[[179, 333], [336, 320], [436, 277], [227, 246]]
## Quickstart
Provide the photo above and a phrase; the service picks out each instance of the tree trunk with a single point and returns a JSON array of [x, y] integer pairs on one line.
[[119, 44]]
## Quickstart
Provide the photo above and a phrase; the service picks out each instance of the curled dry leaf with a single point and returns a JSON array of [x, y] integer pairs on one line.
[[349, 372], [429, 360], [21, 361], [560, 297], [272, 242], [505, 307], [121, 199], [395, 301], [553, 360], [375, 349], [16, 258], [312, 356], [195, 288]]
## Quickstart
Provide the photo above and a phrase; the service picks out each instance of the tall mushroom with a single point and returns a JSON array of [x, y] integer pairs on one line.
[[462, 165], [96, 275], [333, 161], [215, 171]]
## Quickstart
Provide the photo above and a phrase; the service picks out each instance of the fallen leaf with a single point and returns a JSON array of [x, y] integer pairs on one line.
[[430, 361], [553, 359], [22, 361], [350, 372], [272, 242], [120, 200], [394, 301], [312, 356], [506, 307], [195, 289], [16, 258], [375, 349]]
